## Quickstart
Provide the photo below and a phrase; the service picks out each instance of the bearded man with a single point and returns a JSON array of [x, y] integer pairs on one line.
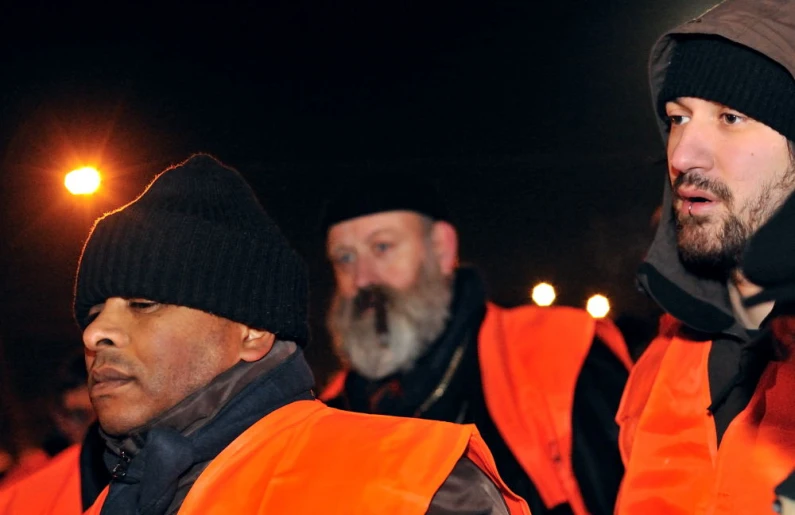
[[419, 338], [707, 420]]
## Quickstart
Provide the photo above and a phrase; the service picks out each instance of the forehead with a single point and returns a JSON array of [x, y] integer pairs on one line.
[[700, 103], [365, 227]]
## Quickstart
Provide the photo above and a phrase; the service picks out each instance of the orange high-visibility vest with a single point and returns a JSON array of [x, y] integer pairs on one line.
[[54, 489], [306, 458], [530, 360], [668, 439]]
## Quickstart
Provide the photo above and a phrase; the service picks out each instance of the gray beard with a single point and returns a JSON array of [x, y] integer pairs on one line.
[[415, 319]]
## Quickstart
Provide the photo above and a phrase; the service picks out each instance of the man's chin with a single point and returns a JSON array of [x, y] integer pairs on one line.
[[694, 239], [118, 426], [374, 363], [706, 262]]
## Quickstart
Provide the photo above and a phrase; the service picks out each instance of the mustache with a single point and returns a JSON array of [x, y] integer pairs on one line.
[[720, 190], [113, 361], [378, 298]]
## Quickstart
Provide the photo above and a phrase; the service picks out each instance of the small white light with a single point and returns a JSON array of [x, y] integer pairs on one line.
[[543, 294], [598, 306]]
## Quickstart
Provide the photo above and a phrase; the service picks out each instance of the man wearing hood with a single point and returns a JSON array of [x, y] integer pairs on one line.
[[420, 339], [707, 400]]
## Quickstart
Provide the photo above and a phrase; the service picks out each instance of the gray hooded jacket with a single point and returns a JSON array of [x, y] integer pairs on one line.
[[702, 304]]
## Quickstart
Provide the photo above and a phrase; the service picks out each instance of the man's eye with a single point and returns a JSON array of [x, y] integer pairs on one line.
[[676, 119], [344, 259], [93, 313], [142, 304], [382, 247], [731, 118]]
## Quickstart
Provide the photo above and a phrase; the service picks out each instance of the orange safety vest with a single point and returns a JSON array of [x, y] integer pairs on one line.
[[307, 458], [530, 359], [668, 439], [54, 489], [29, 462]]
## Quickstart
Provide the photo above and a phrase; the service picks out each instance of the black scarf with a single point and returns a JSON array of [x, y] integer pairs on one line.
[[405, 393], [149, 466]]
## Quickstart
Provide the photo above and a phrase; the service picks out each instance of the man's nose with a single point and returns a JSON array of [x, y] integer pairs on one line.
[[107, 328], [690, 149], [365, 274]]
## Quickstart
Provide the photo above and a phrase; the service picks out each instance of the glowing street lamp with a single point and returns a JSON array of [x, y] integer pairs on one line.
[[83, 181], [598, 306], [543, 294]]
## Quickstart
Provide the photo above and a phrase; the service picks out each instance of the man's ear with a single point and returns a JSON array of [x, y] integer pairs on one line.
[[445, 246], [256, 344]]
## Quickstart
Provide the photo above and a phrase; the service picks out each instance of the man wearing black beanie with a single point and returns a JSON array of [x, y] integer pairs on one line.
[[420, 339], [705, 422], [194, 312]]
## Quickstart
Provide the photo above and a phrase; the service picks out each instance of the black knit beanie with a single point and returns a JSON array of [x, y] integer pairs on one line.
[[197, 237], [716, 69], [365, 197]]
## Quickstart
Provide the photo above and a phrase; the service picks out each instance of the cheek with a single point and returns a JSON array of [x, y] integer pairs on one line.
[[345, 283], [177, 373], [750, 168], [401, 273], [165, 358]]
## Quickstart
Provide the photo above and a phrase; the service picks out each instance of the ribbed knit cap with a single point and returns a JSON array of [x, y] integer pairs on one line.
[[716, 69], [404, 193], [197, 237]]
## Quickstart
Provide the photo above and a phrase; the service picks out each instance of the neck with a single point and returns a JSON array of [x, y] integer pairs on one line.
[[741, 288]]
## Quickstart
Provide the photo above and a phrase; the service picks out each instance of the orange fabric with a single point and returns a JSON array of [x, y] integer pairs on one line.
[[669, 444], [54, 489], [307, 458], [532, 357], [334, 387], [29, 462]]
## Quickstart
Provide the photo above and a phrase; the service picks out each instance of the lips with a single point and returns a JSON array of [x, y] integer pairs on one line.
[[105, 379], [696, 203], [689, 194]]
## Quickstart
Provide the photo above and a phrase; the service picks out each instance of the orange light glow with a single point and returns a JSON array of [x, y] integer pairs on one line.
[[83, 181]]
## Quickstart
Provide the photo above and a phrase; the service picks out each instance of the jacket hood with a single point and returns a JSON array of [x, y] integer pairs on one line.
[[767, 26]]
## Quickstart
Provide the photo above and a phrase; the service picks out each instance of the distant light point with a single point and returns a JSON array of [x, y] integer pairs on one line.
[[598, 306], [543, 294]]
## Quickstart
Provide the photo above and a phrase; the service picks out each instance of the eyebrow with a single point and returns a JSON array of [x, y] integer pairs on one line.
[[331, 251], [379, 232]]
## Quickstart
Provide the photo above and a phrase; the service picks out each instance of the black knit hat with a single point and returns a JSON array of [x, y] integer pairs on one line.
[[716, 69], [197, 237], [404, 193], [769, 259]]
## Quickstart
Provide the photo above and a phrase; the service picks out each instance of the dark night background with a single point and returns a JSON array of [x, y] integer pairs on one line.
[[534, 120]]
